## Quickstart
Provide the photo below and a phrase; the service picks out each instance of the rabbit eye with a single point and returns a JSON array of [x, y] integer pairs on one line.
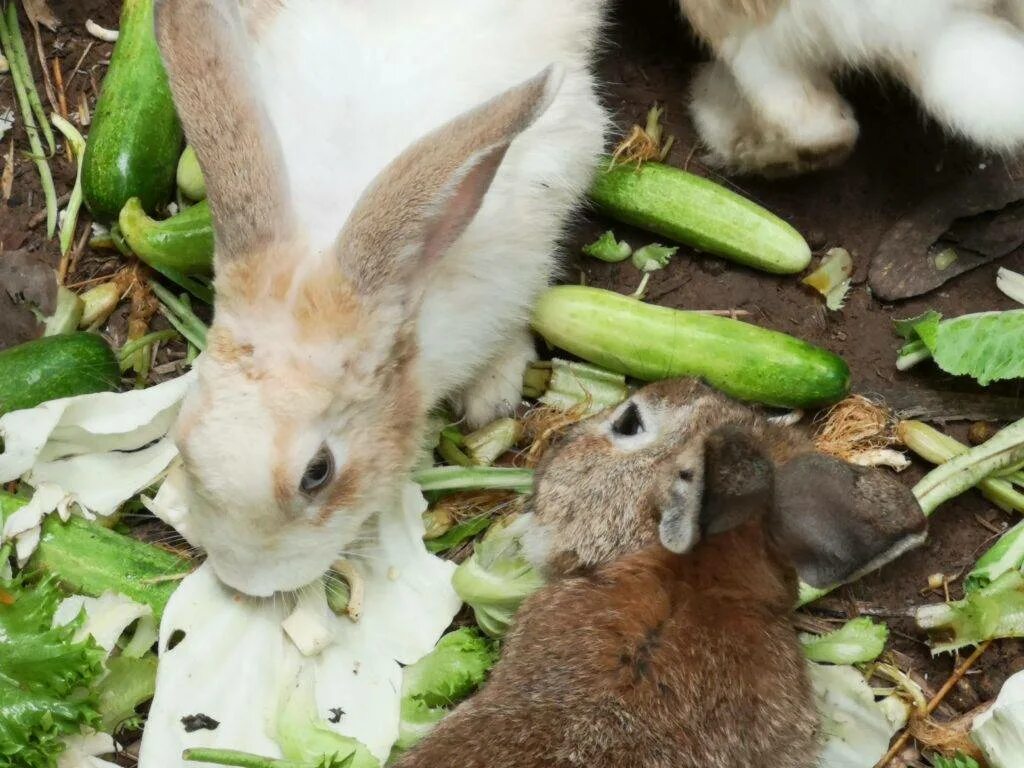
[[319, 472], [629, 423]]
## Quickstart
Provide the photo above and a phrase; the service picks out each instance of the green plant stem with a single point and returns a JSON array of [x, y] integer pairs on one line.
[[21, 54], [475, 478], [180, 315], [9, 31], [913, 353], [450, 452], [131, 347], [77, 143], [233, 757]]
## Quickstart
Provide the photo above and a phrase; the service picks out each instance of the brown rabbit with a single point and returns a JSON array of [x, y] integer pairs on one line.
[[597, 494], [680, 652]]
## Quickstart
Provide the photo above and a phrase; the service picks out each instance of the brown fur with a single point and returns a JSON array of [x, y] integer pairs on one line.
[[603, 501], [652, 661], [713, 20], [212, 88]]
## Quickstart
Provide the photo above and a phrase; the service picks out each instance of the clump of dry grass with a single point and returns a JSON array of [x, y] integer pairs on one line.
[[543, 424], [861, 431], [949, 737], [644, 143]]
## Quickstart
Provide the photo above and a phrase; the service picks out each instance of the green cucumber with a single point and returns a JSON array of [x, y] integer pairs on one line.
[[56, 366], [135, 138], [650, 343], [692, 210], [190, 176], [183, 243]]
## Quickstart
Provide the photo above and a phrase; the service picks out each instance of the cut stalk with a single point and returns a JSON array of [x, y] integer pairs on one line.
[[913, 353], [1011, 283], [486, 444], [9, 31], [971, 467], [77, 144], [567, 385], [180, 315], [475, 479], [938, 448], [135, 345]]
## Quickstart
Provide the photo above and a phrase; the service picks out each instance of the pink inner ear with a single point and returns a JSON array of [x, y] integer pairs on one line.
[[462, 203]]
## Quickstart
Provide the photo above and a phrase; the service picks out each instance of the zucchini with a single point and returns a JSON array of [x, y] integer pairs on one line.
[[692, 210], [56, 366], [182, 243], [650, 343], [135, 138]]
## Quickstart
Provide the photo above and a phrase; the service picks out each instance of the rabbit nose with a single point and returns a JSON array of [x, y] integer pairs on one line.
[[686, 475]]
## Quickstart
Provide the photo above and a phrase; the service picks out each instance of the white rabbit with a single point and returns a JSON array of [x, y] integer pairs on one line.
[[386, 211], [768, 105]]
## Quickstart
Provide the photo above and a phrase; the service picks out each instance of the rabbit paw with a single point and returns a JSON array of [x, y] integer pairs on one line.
[[498, 388]]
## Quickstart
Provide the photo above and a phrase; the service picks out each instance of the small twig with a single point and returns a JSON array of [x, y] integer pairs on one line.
[[78, 64], [733, 313], [41, 55], [62, 100], [40, 216], [935, 701]]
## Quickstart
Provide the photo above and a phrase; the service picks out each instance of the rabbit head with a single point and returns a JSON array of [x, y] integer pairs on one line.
[[637, 473], [307, 407]]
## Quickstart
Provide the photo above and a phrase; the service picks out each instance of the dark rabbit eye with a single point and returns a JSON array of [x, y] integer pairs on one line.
[[629, 423], [319, 472]]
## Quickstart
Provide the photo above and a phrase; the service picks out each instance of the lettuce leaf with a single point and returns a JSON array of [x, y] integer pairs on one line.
[[857, 642], [988, 346], [45, 677]]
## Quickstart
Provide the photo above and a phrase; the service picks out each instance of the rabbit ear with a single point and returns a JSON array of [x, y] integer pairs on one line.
[[424, 199], [736, 486], [205, 50], [837, 521]]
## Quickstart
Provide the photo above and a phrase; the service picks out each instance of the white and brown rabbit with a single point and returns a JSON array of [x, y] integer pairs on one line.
[[677, 649], [388, 182], [768, 105]]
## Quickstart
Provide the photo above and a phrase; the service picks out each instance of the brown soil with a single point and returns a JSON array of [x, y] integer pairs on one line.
[[649, 58]]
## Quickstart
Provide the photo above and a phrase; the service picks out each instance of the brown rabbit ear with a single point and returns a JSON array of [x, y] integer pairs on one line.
[[205, 50], [733, 484], [837, 521], [425, 198]]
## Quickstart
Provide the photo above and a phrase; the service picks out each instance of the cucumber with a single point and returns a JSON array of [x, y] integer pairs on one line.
[[183, 243], [89, 559], [56, 366], [650, 343], [135, 138], [692, 210]]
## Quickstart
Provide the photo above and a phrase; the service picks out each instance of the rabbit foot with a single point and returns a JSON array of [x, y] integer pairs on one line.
[[498, 388]]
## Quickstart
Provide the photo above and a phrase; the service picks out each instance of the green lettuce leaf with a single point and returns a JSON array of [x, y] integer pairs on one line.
[[988, 346], [497, 578], [856, 642], [441, 679], [994, 611], [45, 677]]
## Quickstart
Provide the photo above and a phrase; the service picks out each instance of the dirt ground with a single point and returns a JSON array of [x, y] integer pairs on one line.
[[900, 158]]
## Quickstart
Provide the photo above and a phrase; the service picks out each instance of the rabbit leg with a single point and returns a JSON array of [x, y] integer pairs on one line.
[[498, 387], [793, 97], [970, 77], [741, 140]]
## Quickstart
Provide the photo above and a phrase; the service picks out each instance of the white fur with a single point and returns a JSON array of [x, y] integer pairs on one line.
[[769, 104], [349, 84]]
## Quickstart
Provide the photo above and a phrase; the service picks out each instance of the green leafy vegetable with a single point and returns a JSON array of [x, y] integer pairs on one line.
[[607, 248], [457, 534], [129, 683], [999, 731], [497, 578], [1005, 555], [988, 346], [566, 385], [856, 642], [441, 679], [994, 611], [959, 760], [653, 257], [305, 739], [45, 677]]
